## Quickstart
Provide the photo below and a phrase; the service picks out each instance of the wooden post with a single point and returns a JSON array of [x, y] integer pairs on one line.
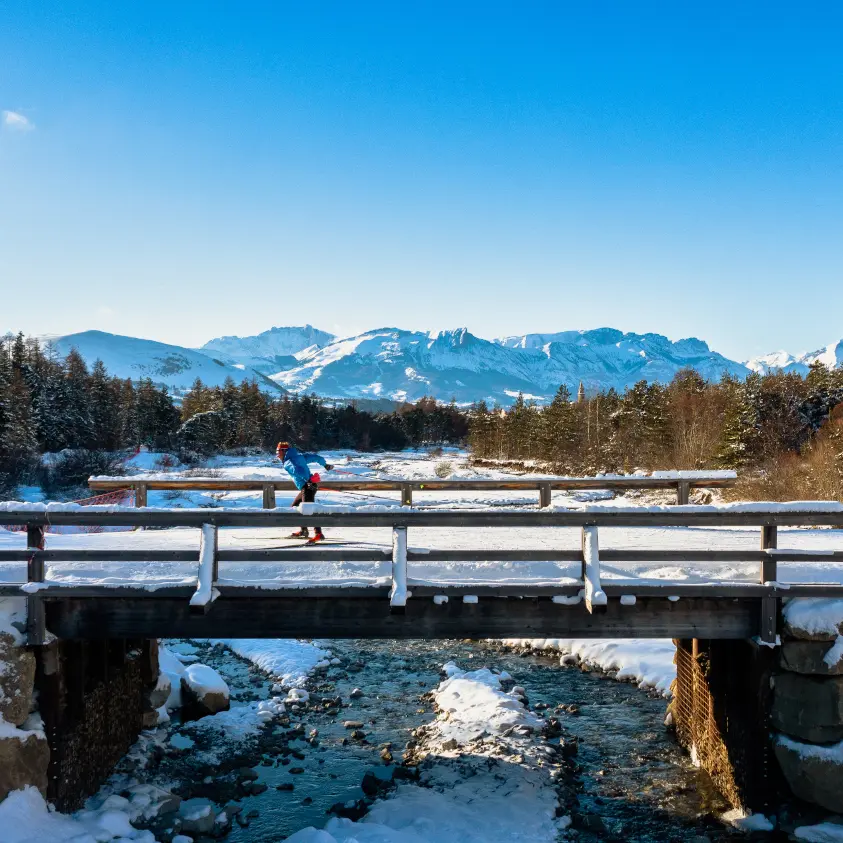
[[769, 541], [215, 568], [683, 492], [544, 495], [269, 496], [406, 494], [769, 572], [398, 592], [35, 617], [140, 494]]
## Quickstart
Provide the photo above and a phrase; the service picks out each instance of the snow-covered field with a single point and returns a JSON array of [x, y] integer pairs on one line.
[[419, 466]]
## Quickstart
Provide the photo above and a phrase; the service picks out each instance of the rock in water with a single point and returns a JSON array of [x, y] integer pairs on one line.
[[197, 816], [813, 773], [204, 687], [23, 762], [159, 695]]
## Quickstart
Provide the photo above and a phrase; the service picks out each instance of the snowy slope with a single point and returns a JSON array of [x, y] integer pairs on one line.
[[405, 365], [270, 351], [172, 365], [831, 356]]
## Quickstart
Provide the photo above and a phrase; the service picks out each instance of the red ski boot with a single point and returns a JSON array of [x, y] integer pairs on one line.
[[319, 537], [300, 534]]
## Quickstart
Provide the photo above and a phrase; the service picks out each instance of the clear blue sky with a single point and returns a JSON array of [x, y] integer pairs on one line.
[[182, 170]]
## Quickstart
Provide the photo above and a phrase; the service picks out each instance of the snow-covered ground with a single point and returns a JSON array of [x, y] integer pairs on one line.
[[646, 661], [419, 465]]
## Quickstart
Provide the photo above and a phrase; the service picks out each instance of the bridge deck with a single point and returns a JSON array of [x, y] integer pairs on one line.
[[657, 577]]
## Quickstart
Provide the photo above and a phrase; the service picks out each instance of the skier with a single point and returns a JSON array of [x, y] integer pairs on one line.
[[296, 463]]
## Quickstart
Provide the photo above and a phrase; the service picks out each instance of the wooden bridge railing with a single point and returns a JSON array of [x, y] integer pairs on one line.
[[590, 589], [681, 482]]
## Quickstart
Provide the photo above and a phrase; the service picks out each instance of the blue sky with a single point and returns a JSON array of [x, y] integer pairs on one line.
[[184, 170]]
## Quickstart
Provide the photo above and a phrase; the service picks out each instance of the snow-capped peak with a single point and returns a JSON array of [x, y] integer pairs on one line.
[[830, 356]]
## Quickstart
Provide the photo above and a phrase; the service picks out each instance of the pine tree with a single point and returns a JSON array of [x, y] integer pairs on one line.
[[104, 400], [78, 406], [559, 435], [740, 424]]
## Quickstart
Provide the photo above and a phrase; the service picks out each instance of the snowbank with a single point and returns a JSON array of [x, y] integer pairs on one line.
[[738, 818], [33, 727], [695, 475], [13, 618], [236, 725], [473, 704], [146, 460], [173, 669], [820, 833], [647, 661], [25, 818], [289, 661]]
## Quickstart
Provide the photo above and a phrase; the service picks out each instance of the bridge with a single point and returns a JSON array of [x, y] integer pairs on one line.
[[682, 482], [95, 647], [587, 604]]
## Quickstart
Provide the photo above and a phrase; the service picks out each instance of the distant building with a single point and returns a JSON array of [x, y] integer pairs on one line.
[[581, 394]]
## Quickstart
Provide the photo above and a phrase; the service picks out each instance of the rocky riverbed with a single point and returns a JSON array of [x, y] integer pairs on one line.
[[364, 727]]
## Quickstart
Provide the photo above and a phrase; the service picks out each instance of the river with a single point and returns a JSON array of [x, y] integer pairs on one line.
[[628, 780]]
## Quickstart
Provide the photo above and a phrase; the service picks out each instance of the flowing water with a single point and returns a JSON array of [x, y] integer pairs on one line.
[[631, 781]]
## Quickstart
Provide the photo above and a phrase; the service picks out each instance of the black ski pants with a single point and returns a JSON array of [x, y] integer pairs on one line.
[[307, 495]]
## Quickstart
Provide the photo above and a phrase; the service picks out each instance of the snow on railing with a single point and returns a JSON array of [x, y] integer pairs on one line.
[[206, 593], [398, 593], [594, 595]]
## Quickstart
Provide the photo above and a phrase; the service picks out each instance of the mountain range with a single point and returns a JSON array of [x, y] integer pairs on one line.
[[399, 365], [831, 356]]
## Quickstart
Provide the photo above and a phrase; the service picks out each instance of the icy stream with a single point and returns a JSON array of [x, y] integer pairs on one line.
[[629, 781]]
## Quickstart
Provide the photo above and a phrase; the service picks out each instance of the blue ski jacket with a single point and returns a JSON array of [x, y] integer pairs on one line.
[[296, 465]]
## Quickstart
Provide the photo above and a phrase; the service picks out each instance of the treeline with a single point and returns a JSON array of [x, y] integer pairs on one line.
[[757, 425], [52, 404], [241, 416]]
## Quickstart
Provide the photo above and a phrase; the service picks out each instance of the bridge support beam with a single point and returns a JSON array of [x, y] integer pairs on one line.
[[721, 713], [300, 613]]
